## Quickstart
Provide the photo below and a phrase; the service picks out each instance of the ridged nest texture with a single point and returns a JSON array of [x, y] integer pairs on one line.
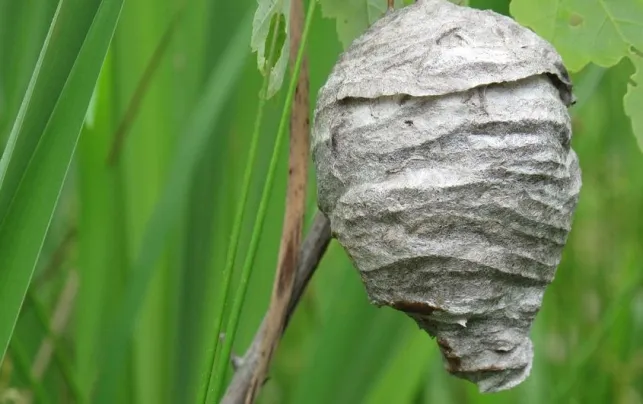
[[442, 148]]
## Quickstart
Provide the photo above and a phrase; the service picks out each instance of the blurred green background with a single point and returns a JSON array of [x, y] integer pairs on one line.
[[338, 348]]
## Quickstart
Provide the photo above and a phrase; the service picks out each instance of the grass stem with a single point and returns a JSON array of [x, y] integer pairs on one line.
[[233, 321]]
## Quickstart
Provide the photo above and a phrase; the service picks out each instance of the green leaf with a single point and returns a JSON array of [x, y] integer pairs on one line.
[[633, 100], [601, 32], [267, 10], [42, 141], [354, 16]]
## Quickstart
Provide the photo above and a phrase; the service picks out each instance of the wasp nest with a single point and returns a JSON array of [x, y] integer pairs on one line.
[[442, 147]]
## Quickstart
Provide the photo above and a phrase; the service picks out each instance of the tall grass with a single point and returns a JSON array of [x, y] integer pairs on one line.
[[148, 235]]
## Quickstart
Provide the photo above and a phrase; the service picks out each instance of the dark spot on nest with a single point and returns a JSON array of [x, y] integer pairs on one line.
[[333, 142], [414, 307], [453, 361], [408, 122], [404, 99], [451, 33], [483, 370]]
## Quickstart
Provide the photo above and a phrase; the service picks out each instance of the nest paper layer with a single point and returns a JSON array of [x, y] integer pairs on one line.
[[442, 148]]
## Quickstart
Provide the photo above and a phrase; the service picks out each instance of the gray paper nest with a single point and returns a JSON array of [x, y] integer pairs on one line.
[[442, 147]]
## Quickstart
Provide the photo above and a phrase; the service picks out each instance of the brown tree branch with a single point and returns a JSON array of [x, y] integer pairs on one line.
[[294, 214], [311, 252]]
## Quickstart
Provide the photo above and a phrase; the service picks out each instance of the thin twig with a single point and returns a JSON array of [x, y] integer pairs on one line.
[[311, 253], [226, 276], [295, 209], [391, 4], [248, 264], [20, 358], [53, 329], [58, 257], [59, 321]]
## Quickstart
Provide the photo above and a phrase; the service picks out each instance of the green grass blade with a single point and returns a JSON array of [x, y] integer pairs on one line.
[[216, 383], [212, 22], [23, 29], [100, 223], [21, 360], [7, 189], [60, 354], [143, 145], [205, 236], [169, 207], [233, 243], [43, 140], [402, 378], [350, 328]]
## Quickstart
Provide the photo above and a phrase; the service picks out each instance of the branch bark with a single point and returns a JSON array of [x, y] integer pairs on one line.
[[312, 250], [295, 210]]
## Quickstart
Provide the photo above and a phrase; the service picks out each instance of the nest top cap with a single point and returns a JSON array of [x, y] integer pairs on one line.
[[434, 47]]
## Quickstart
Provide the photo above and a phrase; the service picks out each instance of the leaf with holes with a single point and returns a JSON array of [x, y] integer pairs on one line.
[[267, 12], [601, 32]]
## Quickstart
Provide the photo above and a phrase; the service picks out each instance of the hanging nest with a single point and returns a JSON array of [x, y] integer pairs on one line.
[[442, 147]]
